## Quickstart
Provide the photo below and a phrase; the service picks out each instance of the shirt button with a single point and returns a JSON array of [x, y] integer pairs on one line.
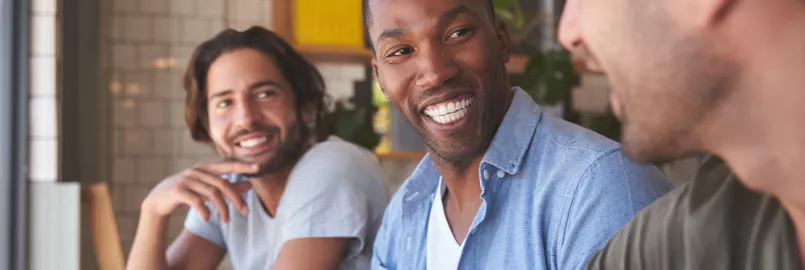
[[486, 174], [501, 174]]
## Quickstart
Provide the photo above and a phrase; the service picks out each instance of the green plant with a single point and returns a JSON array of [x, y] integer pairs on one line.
[[549, 76], [352, 123]]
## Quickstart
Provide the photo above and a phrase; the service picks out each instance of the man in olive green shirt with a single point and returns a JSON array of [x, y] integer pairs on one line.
[[725, 77]]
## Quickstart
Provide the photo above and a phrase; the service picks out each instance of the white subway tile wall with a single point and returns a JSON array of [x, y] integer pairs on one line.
[[43, 111], [125, 169], [44, 7], [44, 35], [154, 6], [44, 158], [137, 28], [43, 103]]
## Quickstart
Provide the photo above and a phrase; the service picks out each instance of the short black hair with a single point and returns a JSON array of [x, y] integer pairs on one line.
[[367, 14], [306, 81]]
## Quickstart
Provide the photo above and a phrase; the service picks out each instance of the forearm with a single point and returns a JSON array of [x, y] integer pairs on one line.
[[148, 249]]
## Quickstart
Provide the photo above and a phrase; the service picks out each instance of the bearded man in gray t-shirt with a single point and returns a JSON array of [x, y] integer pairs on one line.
[[283, 198]]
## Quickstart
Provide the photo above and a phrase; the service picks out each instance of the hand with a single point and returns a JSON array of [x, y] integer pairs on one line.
[[194, 186]]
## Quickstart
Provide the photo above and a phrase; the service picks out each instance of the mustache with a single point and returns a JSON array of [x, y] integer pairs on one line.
[[454, 83], [270, 130]]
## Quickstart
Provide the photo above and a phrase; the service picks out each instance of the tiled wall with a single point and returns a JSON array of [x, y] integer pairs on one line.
[[43, 126], [148, 44]]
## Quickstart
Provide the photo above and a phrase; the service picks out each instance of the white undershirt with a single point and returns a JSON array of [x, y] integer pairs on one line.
[[443, 252]]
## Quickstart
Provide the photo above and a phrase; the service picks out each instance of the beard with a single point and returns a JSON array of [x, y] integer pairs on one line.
[[288, 151]]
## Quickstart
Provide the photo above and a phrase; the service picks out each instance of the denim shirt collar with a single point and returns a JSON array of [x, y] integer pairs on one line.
[[506, 153]]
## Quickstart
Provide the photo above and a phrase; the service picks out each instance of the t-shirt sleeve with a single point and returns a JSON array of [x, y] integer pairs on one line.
[[209, 230], [610, 192], [326, 197]]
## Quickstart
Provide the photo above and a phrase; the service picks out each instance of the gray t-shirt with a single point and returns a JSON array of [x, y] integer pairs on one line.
[[334, 191]]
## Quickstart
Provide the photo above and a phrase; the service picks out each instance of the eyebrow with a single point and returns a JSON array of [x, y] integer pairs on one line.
[[251, 87], [446, 17]]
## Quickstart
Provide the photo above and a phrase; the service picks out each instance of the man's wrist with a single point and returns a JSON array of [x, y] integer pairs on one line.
[[148, 210]]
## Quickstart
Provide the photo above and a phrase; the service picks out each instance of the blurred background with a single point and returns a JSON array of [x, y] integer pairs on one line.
[[94, 107]]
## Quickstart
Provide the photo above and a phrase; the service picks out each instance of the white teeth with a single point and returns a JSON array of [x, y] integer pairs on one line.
[[252, 142], [449, 112]]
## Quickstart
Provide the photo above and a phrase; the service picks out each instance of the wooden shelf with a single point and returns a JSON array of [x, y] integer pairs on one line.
[[516, 64], [402, 156], [335, 54]]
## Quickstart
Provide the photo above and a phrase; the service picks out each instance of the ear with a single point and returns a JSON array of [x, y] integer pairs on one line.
[[502, 33], [308, 113]]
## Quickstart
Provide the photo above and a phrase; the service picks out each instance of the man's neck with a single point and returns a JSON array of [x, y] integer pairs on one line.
[[463, 183], [760, 135], [270, 188]]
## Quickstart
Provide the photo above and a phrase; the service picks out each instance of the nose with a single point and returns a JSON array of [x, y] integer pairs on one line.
[[569, 30], [247, 114], [436, 66]]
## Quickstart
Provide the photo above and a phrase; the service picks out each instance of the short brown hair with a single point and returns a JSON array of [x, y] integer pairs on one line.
[[306, 81]]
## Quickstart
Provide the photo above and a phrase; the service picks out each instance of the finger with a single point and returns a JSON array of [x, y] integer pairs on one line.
[[212, 194], [229, 167], [225, 188], [242, 187], [194, 200]]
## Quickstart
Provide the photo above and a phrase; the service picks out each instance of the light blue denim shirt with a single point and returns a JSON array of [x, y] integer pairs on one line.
[[553, 194]]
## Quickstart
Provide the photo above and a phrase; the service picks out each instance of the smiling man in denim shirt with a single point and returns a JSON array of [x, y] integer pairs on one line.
[[505, 185]]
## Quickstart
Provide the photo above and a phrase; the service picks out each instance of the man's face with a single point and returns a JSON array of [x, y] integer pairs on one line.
[[252, 116], [665, 77], [442, 63]]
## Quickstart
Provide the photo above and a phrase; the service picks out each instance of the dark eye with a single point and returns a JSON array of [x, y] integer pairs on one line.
[[401, 52], [266, 94], [223, 104], [459, 33]]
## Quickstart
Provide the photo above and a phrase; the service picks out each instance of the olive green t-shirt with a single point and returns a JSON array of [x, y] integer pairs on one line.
[[711, 223]]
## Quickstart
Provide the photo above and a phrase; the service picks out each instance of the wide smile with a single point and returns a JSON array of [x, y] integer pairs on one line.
[[254, 144], [451, 111]]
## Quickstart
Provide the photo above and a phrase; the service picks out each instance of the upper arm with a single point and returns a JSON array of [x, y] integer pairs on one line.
[[610, 192], [190, 251], [296, 254]]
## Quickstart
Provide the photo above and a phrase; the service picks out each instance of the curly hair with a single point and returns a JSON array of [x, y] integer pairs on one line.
[[306, 81]]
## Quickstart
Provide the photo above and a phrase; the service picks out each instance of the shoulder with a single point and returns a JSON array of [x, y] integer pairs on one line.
[[339, 159], [338, 151], [560, 133], [593, 162]]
